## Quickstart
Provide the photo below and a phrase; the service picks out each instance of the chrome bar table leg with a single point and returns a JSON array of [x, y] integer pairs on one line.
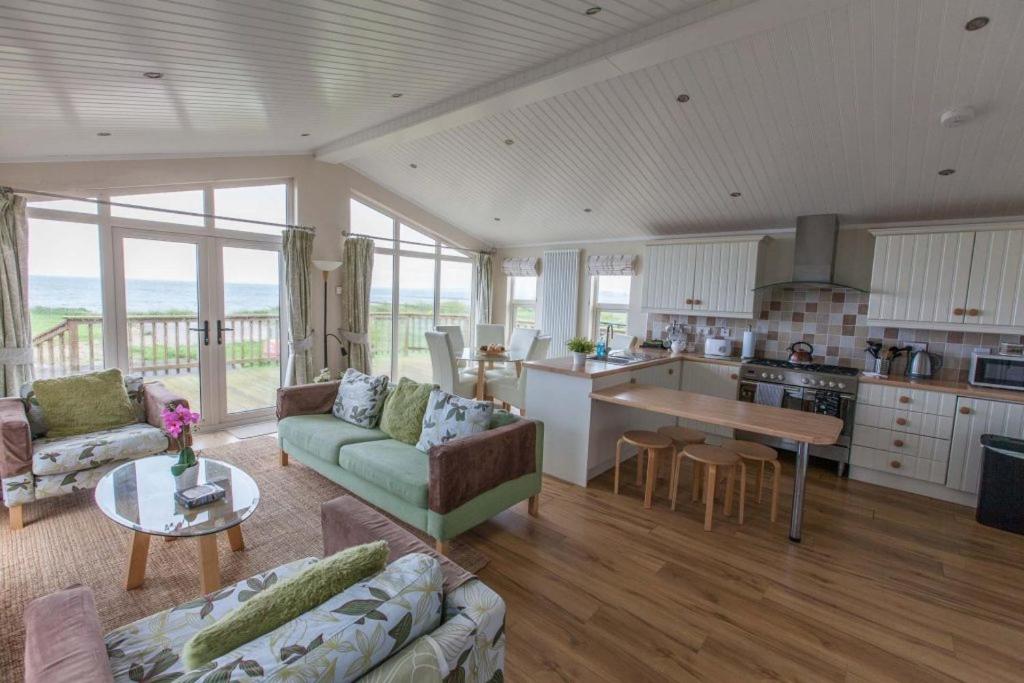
[[799, 475]]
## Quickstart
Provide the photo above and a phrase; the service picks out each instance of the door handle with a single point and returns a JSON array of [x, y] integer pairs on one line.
[[221, 330], [205, 329]]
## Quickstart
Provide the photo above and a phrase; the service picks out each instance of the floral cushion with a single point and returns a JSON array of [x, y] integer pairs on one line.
[[86, 451], [451, 417], [37, 419], [338, 641], [19, 489], [472, 637], [419, 662], [361, 398]]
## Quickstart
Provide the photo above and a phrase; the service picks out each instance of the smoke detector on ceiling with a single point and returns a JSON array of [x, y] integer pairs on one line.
[[957, 116]]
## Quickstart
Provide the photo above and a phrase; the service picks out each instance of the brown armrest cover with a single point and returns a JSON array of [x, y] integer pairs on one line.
[[63, 640], [306, 399], [462, 469], [348, 522], [15, 438], [156, 397]]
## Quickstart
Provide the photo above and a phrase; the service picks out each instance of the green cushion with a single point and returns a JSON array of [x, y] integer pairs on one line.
[[396, 467], [500, 418], [285, 601], [80, 404], [417, 663], [323, 435], [403, 411]]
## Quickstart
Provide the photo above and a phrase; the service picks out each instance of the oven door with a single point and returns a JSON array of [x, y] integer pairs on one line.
[[843, 408]]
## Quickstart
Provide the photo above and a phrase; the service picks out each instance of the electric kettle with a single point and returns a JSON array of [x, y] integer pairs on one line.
[[922, 365]]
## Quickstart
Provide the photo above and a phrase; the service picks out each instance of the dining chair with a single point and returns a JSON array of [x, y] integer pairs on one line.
[[622, 342], [455, 337], [510, 389], [445, 373], [489, 334], [522, 338]]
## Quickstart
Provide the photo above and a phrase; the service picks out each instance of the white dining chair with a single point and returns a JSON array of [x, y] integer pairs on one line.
[[622, 342], [539, 348], [455, 337], [446, 374], [489, 334], [522, 338], [510, 389]]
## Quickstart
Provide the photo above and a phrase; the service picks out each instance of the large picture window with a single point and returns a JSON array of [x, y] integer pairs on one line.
[[417, 283], [522, 301]]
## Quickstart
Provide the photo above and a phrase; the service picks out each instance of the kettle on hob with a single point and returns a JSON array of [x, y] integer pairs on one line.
[[922, 365]]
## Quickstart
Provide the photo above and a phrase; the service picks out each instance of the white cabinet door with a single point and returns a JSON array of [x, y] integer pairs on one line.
[[665, 375], [668, 277], [995, 295], [975, 417], [920, 278], [724, 277], [714, 380]]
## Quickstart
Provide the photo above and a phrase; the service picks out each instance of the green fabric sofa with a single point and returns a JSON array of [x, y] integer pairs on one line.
[[444, 493]]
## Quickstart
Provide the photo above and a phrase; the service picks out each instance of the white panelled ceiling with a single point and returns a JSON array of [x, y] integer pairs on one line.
[[253, 75], [797, 106], [835, 112]]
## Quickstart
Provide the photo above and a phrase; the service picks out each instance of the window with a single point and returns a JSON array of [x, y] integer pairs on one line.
[[434, 287], [258, 202], [610, 304], [186, 200], [522, 301]]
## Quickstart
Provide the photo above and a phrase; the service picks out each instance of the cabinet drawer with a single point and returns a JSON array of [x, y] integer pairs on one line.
[[902, 443], [899, 464], [912, 400], [925, 424]]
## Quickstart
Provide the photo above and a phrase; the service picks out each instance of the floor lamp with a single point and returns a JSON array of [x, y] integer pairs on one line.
[[327, 267]]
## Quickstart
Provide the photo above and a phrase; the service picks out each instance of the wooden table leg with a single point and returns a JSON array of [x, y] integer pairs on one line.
[[209, 565], [730, 485], [618, 464], [137, 560], [481, 381], [235, 538], [709, 500], [652, 477], [743, 488]]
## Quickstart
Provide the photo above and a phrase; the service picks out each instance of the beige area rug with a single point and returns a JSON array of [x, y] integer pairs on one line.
[[67, 541]]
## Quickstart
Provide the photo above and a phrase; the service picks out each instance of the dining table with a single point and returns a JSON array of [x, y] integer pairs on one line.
[[484, 360]]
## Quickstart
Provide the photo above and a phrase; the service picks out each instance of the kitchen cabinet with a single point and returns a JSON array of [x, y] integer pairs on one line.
[[975, 417], [968, 280], [701, 277], [712, 379]]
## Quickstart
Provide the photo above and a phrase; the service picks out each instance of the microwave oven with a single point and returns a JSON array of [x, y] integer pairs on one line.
[[999, 372]]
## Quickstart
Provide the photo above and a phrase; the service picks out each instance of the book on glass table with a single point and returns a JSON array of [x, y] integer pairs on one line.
[[199, 495]]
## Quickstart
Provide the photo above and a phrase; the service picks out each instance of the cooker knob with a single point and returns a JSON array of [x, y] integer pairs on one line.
[[831, 384], [821, 382], [764, 375], [805, 380], [841, 385]]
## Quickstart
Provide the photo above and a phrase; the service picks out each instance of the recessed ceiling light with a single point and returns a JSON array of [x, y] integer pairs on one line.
[[947, 171], [413, 166], [496, 218], [591, 11], [509, 141], [396, 94], [153, 74], [103, 134], [735, 194], [587, 210], [305, 135], [976, 23], [682, 98]]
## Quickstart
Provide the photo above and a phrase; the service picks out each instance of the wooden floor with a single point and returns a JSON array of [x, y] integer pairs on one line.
[[885, 586]]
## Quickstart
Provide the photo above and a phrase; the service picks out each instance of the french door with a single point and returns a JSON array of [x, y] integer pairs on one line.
[[202, 315]]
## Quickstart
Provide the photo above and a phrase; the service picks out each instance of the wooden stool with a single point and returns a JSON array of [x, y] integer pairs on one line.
[[681, 438], [713, 457], [759, 453], [652, 443]]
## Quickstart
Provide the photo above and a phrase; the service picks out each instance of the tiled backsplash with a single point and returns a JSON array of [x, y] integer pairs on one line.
[[834, 322]]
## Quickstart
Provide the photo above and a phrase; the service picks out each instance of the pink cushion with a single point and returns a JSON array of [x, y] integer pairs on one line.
[[63, 641]]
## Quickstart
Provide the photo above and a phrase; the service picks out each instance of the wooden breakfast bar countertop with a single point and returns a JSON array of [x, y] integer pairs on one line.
[[804, 428]]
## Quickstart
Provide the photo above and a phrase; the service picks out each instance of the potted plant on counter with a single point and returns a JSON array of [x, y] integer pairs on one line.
[[178, 424], [581, 347]]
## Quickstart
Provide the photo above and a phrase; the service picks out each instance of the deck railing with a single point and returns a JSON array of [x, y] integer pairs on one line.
[[158, 344], [411, 328]]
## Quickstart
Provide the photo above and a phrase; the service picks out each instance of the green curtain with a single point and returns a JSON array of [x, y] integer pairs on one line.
[[298, 252], [15, 327], [484, 283], [357, 269]]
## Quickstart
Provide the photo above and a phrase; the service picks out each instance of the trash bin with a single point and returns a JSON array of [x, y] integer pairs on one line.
[[1001, 492]]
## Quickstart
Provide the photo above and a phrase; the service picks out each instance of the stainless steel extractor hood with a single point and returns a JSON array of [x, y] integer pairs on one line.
[[814, 255]]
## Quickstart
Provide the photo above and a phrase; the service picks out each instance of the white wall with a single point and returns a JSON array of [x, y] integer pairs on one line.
[[322, 192], [854, 252]]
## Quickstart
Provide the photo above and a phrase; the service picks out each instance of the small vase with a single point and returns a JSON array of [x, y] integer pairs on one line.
[[579, 359], [187, 479], [677, 347]]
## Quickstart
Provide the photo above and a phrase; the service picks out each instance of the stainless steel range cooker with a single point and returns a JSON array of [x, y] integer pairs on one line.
[[825, 389]]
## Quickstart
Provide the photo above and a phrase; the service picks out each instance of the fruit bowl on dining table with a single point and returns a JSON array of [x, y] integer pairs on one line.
[[493, 350]]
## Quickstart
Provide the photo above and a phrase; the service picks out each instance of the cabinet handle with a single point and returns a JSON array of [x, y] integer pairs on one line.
[[734, 376], [901, 421], [964, 410], [898, 443], [689, 301], [671, 371], [632, 380], [696, 302], [973, 312], [895, 464], [958, 311], [904, 399]]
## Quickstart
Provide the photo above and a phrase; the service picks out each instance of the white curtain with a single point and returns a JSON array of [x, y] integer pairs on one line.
[[484, 284], [560, 297], [611, 264], [15, 324], [521, 266]]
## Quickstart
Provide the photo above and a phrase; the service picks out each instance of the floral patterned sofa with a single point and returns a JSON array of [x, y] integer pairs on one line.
[[33, 467], [419, 596]]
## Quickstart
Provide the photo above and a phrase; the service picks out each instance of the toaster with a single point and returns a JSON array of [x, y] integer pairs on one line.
[[716, 346]]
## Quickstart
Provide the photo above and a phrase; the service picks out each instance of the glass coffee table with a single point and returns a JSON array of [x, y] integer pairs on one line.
[[139, 495]]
